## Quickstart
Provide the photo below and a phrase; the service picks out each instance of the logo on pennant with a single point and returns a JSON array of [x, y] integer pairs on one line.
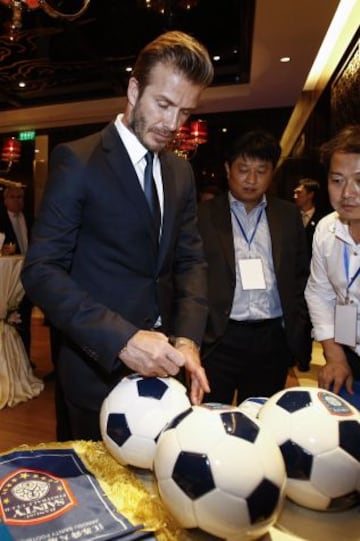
[[33, 496]]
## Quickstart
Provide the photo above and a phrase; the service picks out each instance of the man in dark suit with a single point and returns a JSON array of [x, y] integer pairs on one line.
[[16, 226], [126, 296], [257, 269], [305, 196]]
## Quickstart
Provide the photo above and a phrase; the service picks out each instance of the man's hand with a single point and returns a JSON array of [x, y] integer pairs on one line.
[[195, 372], [149, 354], [337, 372]]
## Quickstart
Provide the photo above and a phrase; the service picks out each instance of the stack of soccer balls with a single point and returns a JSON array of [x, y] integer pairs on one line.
[[227, 469], [216, 468]]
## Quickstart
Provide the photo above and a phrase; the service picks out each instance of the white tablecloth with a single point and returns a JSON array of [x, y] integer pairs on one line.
[[17, 381]]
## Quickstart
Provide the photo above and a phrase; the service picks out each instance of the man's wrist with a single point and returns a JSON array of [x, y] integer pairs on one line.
[[183, 341]]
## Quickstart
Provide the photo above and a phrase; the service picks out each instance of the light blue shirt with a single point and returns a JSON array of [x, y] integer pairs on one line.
[[255, 303]]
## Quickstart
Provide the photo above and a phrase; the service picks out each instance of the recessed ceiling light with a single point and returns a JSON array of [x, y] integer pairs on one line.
[[285, 59], [216, 58]]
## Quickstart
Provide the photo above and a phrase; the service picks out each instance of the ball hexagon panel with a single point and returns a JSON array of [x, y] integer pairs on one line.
[[335, 473], [316, 434], [221, 514]]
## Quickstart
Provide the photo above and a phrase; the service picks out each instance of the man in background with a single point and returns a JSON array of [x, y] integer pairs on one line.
[[255, 247], [306, 196], [16, 226]]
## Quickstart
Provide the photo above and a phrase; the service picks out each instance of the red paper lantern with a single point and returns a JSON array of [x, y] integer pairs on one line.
[[199, 131], [11, 150]]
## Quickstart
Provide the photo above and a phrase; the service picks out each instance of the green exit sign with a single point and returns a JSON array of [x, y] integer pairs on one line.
[[27, 136]]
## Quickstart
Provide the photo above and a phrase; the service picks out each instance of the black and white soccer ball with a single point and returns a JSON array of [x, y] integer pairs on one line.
[[218, 470], [135, 412], [319, 436]]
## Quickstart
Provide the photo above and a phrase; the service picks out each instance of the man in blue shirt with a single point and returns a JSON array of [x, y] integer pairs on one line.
[[256, 251]]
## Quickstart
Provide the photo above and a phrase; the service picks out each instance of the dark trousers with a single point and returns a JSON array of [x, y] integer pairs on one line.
[[252, 359], [63, 428], [83, 424]]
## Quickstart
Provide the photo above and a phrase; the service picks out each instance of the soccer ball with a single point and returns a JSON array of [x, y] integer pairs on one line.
[[135, 412], [252, 405], [319, 436], [218, 470]]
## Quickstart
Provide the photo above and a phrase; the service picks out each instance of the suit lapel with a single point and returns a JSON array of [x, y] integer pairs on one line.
[[222, 219], [119, 161], [276, 231], [169, 187]]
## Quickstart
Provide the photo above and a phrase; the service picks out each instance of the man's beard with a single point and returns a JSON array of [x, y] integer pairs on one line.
[[139, 126], [137, 123]]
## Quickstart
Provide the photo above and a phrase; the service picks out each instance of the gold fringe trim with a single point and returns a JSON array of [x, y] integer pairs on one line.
[[122, 487]]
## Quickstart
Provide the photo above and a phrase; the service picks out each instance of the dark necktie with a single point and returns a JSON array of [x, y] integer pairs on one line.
[[151, 192]]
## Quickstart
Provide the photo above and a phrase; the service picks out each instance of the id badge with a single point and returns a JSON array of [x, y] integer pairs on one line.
[[346, 324], [252, 273]]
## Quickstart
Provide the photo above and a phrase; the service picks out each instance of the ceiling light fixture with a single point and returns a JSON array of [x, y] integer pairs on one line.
[[164, 6], [53, 8]]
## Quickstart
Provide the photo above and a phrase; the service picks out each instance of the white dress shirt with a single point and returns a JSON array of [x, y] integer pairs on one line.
[[327, 283], [137, 154], [307, 215], [255, 303]]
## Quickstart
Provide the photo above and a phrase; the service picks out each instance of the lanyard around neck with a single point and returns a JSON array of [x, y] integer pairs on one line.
[[248, 240], [349, 280]]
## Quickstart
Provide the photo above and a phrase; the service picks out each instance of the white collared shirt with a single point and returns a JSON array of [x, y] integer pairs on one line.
[[307, 215], [327, 283], [255, 303], [137, 153]]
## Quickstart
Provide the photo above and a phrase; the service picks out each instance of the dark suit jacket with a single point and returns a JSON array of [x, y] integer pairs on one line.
[[94, 266], [290, 264]]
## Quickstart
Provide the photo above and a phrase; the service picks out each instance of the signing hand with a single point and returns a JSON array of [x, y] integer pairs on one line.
[[195, 372], [149, 354]]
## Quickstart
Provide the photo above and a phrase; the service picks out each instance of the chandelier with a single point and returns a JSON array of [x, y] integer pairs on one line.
[[188, 138], [165, 6], [64, 9]]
